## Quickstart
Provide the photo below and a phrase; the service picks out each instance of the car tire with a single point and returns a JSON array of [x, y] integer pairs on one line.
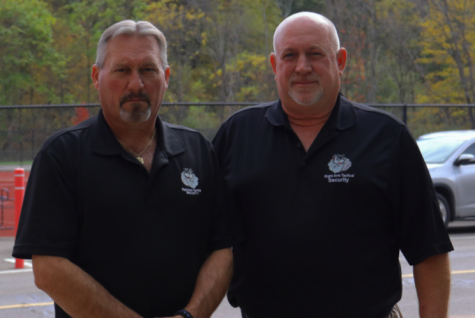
[[444, 209]]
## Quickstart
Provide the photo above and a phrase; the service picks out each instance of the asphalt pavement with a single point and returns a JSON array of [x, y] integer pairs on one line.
[[19, 297]]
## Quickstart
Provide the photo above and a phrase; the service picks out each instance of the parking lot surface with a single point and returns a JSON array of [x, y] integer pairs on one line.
[[19, 297]]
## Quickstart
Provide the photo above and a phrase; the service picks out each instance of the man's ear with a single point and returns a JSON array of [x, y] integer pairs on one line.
[[95, 75], [273, 62], [341, 59]]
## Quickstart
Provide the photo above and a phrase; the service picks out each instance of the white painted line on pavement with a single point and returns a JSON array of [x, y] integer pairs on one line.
[[27, 305], [463, 272], [12, 260], [470, 271], [14, 271]]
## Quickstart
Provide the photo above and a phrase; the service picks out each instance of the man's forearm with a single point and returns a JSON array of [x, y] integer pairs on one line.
[[212, 284], [432, 278], [75, 291]]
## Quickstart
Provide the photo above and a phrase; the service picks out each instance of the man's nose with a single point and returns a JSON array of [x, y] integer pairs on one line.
[[135, 81], [303, 65]]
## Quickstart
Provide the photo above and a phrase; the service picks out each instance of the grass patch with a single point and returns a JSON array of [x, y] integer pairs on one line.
[[17, 163]]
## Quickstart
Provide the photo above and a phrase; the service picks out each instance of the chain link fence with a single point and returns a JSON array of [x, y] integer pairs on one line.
[[24, 129]]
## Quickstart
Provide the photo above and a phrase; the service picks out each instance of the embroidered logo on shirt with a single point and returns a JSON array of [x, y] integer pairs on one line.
[[190, 180], [337, 164]]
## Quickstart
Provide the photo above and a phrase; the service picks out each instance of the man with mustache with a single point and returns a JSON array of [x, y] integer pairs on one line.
[[331, 191], [113, 227]]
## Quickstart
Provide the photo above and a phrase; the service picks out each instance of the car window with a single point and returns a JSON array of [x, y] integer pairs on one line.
[[470, 150], [438, 150]]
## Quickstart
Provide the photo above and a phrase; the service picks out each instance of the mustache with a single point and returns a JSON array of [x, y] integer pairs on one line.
[[130, 96]]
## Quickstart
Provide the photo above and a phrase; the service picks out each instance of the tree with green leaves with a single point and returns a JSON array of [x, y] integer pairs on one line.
[[449, 56], [26, 53]]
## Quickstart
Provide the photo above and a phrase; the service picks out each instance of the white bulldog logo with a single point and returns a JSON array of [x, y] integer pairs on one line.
[[189, 178], [339, 163]]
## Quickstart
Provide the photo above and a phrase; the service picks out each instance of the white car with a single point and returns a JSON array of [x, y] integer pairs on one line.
[[450, 158]]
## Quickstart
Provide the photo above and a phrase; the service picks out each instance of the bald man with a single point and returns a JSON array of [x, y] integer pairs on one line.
[[331, 191]]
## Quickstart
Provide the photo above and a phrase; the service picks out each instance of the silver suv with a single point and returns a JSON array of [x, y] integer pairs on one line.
[[450, 158]]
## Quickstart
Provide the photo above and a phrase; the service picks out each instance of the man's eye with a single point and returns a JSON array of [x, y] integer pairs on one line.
[[120, 70]]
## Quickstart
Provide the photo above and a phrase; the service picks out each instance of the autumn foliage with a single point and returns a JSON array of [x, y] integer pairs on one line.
[[399, 51], [81, 115]]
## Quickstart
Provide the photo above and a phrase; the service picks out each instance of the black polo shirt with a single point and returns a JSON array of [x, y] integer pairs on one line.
[[142, 236], [324, 227]]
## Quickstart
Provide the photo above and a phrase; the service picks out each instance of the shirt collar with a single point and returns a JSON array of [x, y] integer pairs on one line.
[[276, 115], [167, 139], [105, 143], [346, 113], [343, 115]]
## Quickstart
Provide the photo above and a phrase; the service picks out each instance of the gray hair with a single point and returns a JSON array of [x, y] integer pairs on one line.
[[130, 27], [317, 18]]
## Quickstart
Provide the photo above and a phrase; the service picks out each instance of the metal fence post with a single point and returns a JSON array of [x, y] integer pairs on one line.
[[404, 114], [19, 194]]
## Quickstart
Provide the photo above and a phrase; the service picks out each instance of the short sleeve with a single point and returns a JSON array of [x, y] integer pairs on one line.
[[420, 230], [48, 221]]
